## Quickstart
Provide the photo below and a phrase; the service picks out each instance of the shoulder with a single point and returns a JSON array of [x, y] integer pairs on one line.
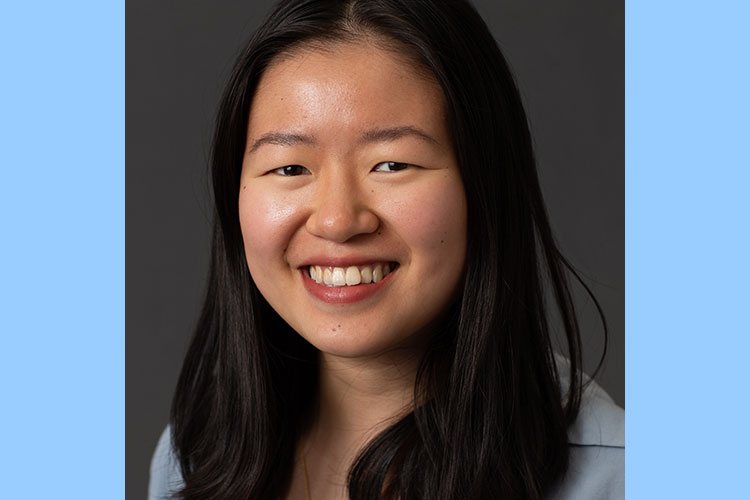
[[596, 442], [165, 478]]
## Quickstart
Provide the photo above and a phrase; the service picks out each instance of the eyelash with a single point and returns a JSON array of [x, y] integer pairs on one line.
[[285, 171], [294, 170], [391, 164]]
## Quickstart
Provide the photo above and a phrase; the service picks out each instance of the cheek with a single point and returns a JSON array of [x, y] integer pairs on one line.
[[432, 219], [267, 221]]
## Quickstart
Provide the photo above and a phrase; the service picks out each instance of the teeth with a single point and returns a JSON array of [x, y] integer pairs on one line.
[[350, 276], [339, 277], [377, 274], [318, 274], [366, 274]]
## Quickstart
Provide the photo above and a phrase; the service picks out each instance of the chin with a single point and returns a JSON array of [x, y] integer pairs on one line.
[[340, 341]]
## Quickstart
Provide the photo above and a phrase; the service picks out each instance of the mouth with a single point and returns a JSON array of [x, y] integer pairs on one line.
[[347, 285], [333, 277]]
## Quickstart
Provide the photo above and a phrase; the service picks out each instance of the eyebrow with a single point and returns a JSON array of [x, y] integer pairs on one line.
[[283, 139], [395, 133], [369, 137]]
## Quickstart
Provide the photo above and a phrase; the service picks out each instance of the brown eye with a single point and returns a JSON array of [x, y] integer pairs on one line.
[[291, 170], [390, 166]]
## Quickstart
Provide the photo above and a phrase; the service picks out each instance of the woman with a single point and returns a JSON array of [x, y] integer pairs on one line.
[[375, 323]]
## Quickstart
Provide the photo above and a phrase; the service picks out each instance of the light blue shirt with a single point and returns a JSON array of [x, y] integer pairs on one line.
[[597, 453], [596, 442]]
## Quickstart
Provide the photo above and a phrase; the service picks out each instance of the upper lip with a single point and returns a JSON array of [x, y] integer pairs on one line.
[[344, 261]]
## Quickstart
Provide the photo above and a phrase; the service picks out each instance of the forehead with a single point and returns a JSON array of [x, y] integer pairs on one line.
[[346, 85]]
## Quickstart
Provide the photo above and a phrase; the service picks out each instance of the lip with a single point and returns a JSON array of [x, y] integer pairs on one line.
[[328, 261], [344, 294]]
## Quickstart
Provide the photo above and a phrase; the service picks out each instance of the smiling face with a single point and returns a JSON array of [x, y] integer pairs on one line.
[[351, 204]]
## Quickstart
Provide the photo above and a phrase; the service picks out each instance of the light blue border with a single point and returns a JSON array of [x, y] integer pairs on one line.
[[62, 343], [62, 265], [687, 277]]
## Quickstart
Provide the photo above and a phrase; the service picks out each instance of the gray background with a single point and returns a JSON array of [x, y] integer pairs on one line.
[[568, 57]]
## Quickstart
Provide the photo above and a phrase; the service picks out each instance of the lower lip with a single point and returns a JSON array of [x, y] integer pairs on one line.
[[343, 294]]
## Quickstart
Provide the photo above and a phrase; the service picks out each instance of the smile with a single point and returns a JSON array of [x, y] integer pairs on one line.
[[348, 284], [350, 276]]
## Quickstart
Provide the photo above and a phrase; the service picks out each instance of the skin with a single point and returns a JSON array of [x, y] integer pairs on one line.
[[347, 204]]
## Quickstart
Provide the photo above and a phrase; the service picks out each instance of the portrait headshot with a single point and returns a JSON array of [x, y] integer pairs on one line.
[[375, 250]]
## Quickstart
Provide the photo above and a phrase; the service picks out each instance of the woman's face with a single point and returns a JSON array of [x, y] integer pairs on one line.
[[349, 171]]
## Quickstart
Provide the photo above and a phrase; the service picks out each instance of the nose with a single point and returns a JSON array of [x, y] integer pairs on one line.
[[340, 212]]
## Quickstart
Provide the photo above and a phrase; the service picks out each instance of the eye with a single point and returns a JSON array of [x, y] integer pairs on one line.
[[291, 170], [390, 166]]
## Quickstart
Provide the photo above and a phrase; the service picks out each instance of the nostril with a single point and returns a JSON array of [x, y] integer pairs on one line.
[[341, 222]]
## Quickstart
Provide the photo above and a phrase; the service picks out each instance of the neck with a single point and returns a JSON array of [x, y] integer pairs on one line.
[[358, 395], [357, 399]]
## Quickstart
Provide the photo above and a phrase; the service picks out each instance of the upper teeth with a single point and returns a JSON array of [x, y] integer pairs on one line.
[[349, 276]]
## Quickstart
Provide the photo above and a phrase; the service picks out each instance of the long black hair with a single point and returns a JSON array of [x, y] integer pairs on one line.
[[490, 418]]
